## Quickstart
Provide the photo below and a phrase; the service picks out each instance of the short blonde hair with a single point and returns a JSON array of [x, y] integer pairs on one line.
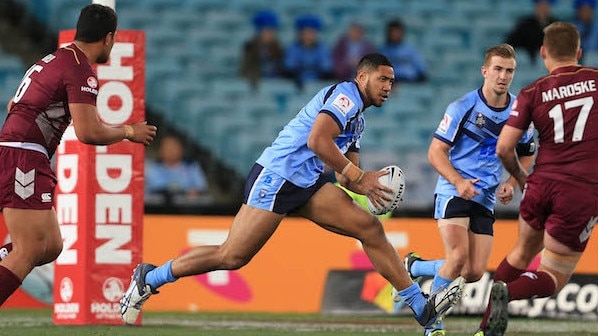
[[504, 50], [561, 41]]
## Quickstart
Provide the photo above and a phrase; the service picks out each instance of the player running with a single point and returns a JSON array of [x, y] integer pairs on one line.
[[287, 177], [463, 153], [60, 87], [560, 204]]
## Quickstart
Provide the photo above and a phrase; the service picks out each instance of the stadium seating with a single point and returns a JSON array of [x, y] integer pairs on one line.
[[193, 51], [11, 72]]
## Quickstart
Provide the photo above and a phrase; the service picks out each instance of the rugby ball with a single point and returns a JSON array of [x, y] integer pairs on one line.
[[394, 179]]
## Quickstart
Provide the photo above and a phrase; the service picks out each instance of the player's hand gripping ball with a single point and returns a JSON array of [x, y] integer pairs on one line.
[[395, 179]]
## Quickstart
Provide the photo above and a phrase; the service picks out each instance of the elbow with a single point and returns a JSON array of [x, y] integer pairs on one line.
[[84, 138], [87, 138], [431, 156], [312, 143], [502, 152]]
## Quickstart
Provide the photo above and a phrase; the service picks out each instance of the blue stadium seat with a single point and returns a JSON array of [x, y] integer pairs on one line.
[[193, 53]]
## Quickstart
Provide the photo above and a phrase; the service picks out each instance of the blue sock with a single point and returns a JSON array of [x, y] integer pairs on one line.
[[426, 267], [440, 282], [414, 298], [160, 275]]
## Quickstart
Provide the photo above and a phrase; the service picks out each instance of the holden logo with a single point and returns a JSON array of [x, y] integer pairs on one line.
[[92, 82], [66, 289], [113, 289]]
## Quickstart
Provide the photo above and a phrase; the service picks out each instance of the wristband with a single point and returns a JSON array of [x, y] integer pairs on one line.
[[129, 132], [353, 173]]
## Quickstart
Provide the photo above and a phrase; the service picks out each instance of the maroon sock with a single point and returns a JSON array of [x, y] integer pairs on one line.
[[531, 285], [5, 249], [505, 272], [9, 282]]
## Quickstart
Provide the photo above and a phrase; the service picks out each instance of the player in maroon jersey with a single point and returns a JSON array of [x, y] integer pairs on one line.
[[560, 203], [60, 87]]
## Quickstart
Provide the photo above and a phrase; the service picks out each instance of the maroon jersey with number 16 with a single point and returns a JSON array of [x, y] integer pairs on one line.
[[40, 112]]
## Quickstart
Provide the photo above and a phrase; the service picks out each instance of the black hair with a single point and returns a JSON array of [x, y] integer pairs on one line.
[[391, 25], [372, 61], [95, 22]]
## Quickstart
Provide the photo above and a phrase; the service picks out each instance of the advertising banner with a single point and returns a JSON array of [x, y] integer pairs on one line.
[[308, 270], [99, 198], [293, 270]]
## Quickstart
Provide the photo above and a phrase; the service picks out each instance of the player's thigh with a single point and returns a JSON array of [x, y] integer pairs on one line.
[[566, 211], [250, 230], [32, 229], [454, 235], [454, 216], [331, 208]]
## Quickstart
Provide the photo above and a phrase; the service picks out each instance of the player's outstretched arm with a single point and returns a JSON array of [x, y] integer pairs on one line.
[[90, 130]]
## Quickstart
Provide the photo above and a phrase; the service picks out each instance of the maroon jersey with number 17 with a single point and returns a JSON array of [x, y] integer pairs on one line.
[[564, 109], [40, 112]]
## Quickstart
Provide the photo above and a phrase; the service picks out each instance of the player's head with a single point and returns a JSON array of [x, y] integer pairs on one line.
[[375, 77], [97, 23], [499, 68], [561, 42], [395, 31]]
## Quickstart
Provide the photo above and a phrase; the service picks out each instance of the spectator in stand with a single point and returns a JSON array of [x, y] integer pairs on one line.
[[529, 30], [171, 174], [263, 55], [308, 59], [409, 63], [348, 50], [587, 26]]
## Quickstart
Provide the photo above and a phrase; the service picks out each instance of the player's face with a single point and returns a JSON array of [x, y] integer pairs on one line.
[[107, 48], [498, 74], [379, 85]]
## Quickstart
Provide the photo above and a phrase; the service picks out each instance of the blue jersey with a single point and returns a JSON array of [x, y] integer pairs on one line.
[[289, 156], [471, 128]]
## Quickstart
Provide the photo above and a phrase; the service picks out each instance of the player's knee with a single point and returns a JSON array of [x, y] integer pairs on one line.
[[456, 259], [234, 261], [51, 251], [54, 249], [369, 229]]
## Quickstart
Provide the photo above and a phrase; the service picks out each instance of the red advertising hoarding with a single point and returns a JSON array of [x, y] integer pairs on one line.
[[99, 198]]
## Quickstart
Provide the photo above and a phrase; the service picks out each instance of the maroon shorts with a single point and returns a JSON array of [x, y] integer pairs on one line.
[[26, 179], [567, 211]]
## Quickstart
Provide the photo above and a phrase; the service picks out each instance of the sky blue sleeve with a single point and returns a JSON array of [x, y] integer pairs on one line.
[[342, 105], [449, 125]]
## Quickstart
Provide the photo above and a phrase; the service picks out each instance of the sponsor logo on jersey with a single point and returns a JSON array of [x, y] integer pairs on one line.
[[89, 90], [46, 197], [343, 104], [92, 82], [444, 124]]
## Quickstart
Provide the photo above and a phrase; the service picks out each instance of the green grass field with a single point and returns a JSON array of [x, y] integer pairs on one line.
[[39, 322]]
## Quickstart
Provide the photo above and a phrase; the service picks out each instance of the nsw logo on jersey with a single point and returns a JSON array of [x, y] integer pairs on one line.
[[343, 104], [480, 120]]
